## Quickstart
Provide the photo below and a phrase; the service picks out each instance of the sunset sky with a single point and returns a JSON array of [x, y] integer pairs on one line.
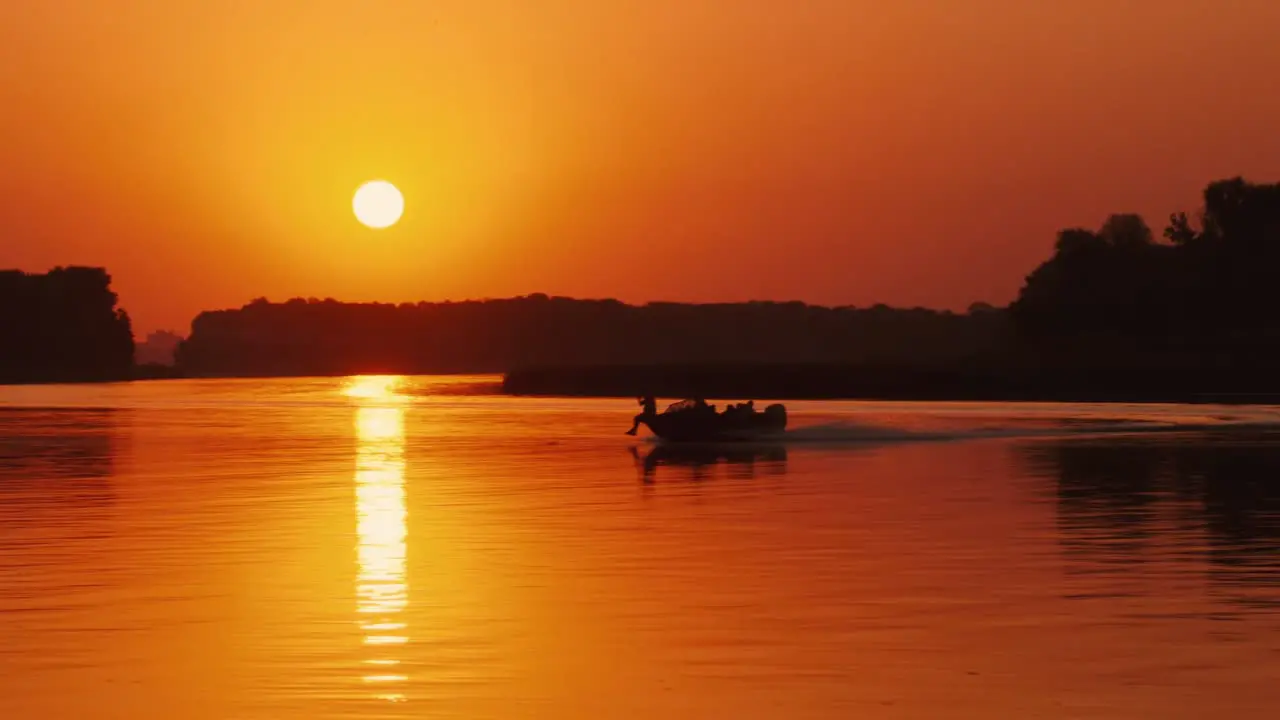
[[916, 152]]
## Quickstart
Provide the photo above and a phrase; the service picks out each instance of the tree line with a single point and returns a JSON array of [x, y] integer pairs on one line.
[[326, 337], [1198, 297], [1192, 306]]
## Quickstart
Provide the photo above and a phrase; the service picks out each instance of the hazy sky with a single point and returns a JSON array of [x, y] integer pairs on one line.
[[834, 151]]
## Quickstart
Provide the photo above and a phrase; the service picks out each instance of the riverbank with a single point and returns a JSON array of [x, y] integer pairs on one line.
[[867, 382]]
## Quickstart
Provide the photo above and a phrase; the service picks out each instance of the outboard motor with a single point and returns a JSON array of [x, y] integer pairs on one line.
[[776, 414]]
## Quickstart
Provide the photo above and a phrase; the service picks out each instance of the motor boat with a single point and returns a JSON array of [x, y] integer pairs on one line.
[[696, 421]]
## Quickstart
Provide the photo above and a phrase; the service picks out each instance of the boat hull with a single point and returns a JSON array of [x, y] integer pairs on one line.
[[693, 426]]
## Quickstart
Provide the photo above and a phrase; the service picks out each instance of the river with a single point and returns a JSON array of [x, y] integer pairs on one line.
[[417, 547]]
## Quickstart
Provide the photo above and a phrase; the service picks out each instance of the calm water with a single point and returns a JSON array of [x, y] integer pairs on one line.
[[370, 548]]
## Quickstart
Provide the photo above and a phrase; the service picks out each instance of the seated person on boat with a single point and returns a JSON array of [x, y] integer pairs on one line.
[[650, 409]]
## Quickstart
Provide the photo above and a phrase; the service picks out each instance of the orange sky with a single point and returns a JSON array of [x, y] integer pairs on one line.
[[835, 151]]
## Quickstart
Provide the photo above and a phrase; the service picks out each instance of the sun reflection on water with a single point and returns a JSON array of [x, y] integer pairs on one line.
[[381, 588]]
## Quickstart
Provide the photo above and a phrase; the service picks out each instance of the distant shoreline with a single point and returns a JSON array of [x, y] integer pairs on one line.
[[804, 382], [169, 373], [873, 383]]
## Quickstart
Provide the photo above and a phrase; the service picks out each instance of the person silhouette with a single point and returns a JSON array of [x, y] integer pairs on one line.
[[650, 410]]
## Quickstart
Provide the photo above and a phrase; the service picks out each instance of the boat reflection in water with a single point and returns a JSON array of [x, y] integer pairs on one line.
[[382, 592], [743, 460]]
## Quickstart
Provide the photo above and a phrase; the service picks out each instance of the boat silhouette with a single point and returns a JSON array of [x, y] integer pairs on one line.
[[696, 421]]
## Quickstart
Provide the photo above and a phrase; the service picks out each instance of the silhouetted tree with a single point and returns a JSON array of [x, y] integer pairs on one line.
[[62, 326], [1179, 231], [1205, 297]]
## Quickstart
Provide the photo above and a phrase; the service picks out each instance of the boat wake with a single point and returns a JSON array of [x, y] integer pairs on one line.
[[854, 433], [1047, 421]]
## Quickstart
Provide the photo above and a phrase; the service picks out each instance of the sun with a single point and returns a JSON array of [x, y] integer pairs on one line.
[[378, 204]]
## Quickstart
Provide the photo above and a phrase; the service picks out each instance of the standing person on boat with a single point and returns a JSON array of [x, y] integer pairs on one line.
[[650, 410]]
